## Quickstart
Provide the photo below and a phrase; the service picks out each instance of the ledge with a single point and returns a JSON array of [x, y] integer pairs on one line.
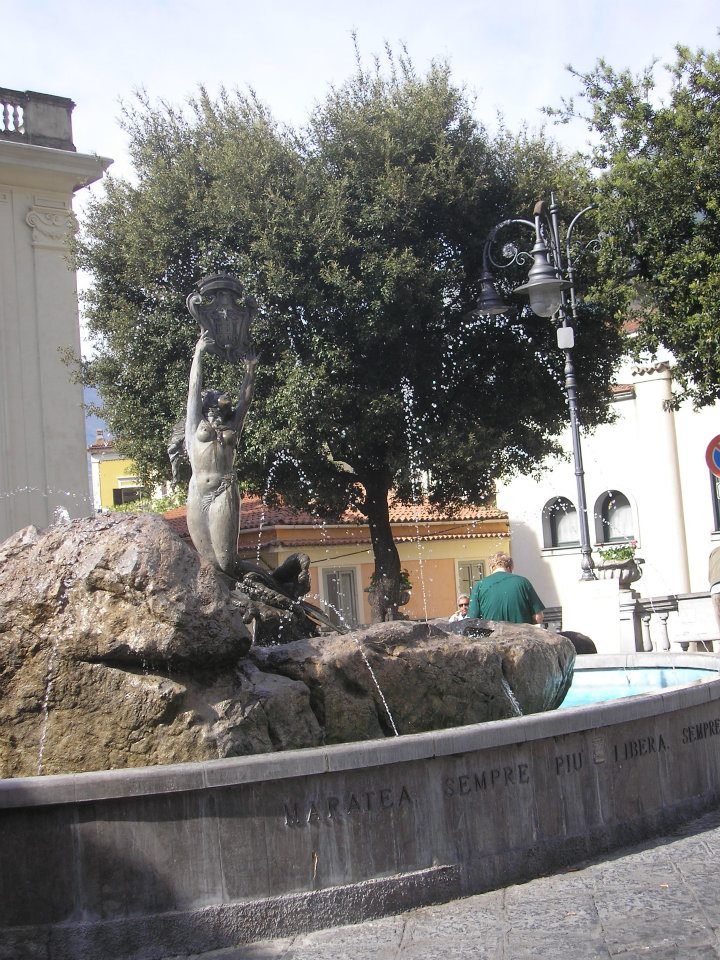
[[47, 168], [212, 774]]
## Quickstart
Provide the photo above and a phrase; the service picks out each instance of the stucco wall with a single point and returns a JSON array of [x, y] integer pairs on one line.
[[432, 568], [111, 470], [43, 464], [657, 459]]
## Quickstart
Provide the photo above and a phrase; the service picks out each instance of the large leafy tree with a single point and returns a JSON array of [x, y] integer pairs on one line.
[[361, 238], [659, 162]]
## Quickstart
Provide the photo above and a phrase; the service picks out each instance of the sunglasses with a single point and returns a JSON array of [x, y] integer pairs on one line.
[[463, 604]]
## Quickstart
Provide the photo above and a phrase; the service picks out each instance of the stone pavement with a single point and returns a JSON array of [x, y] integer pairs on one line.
[[658, 900]]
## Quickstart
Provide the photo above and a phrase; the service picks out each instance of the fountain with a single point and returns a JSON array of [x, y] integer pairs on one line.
[[176, 813]]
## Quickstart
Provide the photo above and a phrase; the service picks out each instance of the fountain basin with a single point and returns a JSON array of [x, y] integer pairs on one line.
[[179, 859], [592, 685]]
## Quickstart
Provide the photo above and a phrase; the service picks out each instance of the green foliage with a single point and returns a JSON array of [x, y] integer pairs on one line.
[[618, 554], [361, 238], [154, 504], [660, 208], [210, 191]]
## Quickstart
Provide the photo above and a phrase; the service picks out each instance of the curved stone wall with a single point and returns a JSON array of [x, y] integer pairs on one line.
[[179, 859]]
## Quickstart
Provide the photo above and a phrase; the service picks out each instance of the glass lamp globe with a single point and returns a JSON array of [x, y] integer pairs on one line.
[[544, 287]]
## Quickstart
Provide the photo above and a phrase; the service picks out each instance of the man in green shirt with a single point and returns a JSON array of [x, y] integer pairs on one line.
[[505, 595]]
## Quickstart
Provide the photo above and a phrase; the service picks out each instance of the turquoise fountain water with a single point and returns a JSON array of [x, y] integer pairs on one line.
[[592, 686]]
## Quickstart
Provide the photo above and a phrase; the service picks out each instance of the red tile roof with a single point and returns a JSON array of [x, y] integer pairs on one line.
[[255, 515], [365, 541], [176, 519], [101, 445]]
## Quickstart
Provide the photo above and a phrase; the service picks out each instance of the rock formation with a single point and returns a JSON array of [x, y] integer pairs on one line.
[[430, 678], [121, 647]]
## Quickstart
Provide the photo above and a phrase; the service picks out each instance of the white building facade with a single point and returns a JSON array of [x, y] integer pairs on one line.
[[646, 480], [43, 462]]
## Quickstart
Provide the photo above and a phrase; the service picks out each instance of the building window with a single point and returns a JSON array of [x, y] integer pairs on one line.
[[560, 523], [122, 495], [613, 518], [339, 587], [469, 572], [715, 488]]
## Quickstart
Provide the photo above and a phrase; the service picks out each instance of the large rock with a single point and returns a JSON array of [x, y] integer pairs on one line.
[[121, 588], [89, 611], [120, 647], [412, 677]]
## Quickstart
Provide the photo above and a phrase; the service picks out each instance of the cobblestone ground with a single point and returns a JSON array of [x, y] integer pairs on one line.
[[658, 900]]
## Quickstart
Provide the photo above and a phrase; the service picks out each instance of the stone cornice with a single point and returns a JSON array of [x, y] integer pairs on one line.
[[27, 165]]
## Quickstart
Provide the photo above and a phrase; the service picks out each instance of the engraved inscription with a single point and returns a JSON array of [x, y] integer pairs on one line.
[[701, 731], [489, 779], [641, 747], [569, 763], [352, 804]]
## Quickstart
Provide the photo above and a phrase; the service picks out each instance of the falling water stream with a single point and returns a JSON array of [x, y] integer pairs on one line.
[[45, 709], [340, 617], [61, 518], [285, 457], [512, 699], [410, 427]]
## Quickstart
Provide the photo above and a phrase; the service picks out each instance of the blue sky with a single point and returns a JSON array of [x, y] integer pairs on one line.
[[512, 56]]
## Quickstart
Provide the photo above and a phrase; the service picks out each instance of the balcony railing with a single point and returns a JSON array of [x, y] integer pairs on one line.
[[36, 118]]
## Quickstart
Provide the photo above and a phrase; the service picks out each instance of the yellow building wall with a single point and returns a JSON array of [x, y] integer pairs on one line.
[[110, 472], [432, 568]]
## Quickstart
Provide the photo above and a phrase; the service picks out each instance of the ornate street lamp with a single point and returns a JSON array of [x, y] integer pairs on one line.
[[550, 280]]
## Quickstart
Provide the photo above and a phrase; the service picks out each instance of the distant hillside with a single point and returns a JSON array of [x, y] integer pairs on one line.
[[92, 423]]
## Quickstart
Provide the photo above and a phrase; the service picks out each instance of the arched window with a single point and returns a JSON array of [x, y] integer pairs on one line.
[[560, 523], [613, 518]]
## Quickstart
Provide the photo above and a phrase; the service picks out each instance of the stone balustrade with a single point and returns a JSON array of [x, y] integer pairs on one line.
[[627, 622], [681, 622], [39, 119]]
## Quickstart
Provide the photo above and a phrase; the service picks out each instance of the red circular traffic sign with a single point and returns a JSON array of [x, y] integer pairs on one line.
[[712, 456]]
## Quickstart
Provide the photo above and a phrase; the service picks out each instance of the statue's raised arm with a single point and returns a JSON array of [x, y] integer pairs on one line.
[[247, 388], [193, 414]]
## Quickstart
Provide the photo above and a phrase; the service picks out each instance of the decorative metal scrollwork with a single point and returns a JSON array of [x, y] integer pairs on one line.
[[219, 306]]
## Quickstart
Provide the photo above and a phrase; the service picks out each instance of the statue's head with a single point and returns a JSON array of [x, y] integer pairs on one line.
[[216, 406]]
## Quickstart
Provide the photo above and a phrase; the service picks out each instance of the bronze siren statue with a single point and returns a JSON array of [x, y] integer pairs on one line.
[[212, 429], [212, 424]]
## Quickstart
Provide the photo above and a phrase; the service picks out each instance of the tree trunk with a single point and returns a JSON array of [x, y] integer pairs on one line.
[[385, 591]]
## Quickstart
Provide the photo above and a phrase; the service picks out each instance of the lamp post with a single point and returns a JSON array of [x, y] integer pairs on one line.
[[550, 282]]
